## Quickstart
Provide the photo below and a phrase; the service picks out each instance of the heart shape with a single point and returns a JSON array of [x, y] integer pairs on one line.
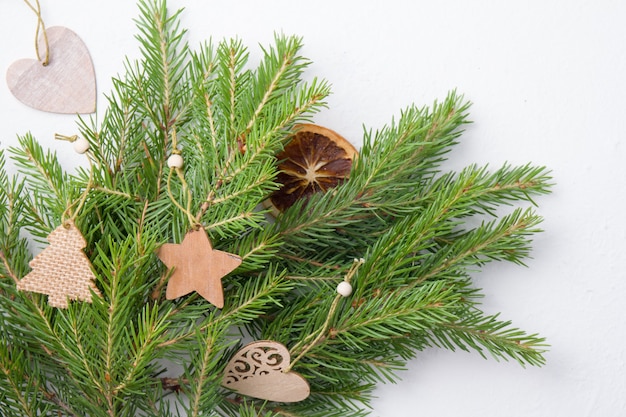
[[66, 85], [258, 370]]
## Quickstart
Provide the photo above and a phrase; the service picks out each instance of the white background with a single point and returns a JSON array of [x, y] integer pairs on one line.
[[547, 79]]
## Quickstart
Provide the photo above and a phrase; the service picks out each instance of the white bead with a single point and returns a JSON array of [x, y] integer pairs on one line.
[[175, 161], [344, 288], [81, 145]]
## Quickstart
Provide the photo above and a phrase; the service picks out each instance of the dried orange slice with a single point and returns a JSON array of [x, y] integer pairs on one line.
[[315, 160]]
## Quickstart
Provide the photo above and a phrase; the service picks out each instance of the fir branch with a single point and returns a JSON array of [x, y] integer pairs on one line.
[[422, 234], [482, 333], [43, 169], [386, 169], [485, 191], [320, 408], [503, 240], [249, 187], [220, 180], [19, 392], [13, 247], [386, 316], [203, 380], [83, 367], [498, 240], [256, 250], [248, 152], [244, 409], [239, 221], [48, 183], [231, 80], [112, 142], [243, 303], [55, 353], [7, 268], [116, 193], [314, 339], [165, 61], [279, 71], [146, 336], [255, 297]]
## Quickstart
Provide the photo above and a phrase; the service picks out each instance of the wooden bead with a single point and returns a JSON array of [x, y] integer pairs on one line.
[[175, 161], [344, 289], [81, 145]]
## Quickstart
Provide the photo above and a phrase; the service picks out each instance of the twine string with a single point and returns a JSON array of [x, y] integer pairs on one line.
[[180, 173], [41, 29], [322, 332], [73, 208]]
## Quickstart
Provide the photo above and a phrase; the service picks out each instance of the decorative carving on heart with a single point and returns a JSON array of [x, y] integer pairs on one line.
[[258, 370], [66, 85]]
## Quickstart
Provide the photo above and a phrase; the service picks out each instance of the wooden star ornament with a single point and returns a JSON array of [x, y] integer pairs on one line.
[[197, 267]]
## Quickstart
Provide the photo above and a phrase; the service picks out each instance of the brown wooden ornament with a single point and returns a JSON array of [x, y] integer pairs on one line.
[[259, 370], [66, 85], [197, 267], [62, 270]]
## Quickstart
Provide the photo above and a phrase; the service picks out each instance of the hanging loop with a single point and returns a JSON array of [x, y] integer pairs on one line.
[[41, 28]]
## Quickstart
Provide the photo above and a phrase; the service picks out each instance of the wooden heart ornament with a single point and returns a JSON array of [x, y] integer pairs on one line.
[[66, 85], [258, 370]]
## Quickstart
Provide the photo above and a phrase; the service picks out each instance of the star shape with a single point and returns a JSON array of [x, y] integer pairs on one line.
[[197, 267]]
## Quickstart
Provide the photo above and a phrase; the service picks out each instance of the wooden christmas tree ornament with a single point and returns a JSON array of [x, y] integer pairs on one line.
[[259, 370], [67, 84], [62, 270], [197, 267]]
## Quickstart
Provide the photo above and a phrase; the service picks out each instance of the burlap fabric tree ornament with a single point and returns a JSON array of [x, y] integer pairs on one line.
[[62, 270]]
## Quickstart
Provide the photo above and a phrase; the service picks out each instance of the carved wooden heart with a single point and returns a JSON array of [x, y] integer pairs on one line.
[[66, 85], [258, 370]]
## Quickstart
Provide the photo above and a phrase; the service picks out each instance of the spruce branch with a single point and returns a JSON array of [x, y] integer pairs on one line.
[[422, 234], [246, 157], [280, 69], [320, 408], [46, 344], [312, 340], [48, 187], [7, 270], [480, 333], [46, 174], [165, 62], [20, 393], [384, 171], [203, 385], [13, 247], [250, 300]]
